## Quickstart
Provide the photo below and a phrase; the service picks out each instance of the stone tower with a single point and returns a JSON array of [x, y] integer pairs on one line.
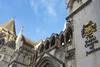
[[7, 42], [8, 30], [86, 31], [9, 56]]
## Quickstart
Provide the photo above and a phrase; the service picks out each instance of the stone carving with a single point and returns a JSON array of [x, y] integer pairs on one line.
[[88, 29], [87, 33]]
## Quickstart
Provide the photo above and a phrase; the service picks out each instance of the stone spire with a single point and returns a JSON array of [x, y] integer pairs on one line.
[[10, 26]]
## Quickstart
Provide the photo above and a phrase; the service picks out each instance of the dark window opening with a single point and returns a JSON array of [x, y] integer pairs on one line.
[[41, 48], [69, 34], [52, 41], [2, 41], [0, 56], [2, 34], [62, 40], [47, 44]]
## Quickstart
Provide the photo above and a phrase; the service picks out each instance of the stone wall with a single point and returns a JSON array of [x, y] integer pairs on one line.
[[86, 34]]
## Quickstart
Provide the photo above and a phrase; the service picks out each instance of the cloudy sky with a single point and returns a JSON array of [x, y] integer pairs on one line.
[[40, 18]]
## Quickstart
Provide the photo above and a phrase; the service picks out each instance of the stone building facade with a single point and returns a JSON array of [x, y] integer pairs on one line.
[[7, 42], [78, 45], [9, 56], [57, 50], [25, 56], [85, 16]]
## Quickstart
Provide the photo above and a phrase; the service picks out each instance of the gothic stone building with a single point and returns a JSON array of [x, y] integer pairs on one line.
[[8, 56], [79, 44], [76, 46]]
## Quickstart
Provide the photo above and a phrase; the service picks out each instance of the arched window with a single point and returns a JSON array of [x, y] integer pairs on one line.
[[47, 44], [52, 40], [41, 47], [68, 34], [62, 39]]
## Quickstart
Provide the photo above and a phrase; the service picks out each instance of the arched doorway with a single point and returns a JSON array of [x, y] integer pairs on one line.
[[47, 62]]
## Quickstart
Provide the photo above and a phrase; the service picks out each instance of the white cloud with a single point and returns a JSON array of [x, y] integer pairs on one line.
[[48, 6], [34, 6]]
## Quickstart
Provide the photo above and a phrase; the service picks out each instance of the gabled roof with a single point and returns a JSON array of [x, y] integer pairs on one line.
[[28, 41], [10, 25]]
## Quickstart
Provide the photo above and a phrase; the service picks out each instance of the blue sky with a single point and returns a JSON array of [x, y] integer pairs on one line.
[[40, 18]]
